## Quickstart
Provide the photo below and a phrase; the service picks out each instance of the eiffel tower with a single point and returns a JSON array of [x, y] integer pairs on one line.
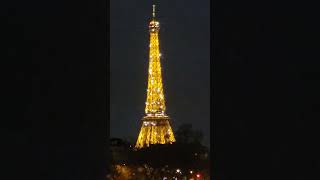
[[156, 127]]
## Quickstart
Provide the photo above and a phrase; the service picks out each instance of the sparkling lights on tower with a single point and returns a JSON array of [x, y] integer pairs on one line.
[[156, 127]]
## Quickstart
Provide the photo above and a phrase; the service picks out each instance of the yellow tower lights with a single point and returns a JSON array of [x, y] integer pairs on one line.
[[156, 127]]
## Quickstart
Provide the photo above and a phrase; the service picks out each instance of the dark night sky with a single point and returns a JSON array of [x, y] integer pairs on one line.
[[185, 48]]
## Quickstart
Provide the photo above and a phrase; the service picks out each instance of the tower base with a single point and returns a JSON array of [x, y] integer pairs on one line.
[[155, 130]]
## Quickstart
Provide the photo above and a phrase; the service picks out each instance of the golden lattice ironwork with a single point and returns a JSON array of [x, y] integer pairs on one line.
[[155, 128]]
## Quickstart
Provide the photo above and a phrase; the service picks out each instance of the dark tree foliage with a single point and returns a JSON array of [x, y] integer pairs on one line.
[[187, 152], [175, 155], [185, 134]]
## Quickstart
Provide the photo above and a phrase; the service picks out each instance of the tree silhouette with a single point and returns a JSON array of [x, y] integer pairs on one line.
[[186, 135]]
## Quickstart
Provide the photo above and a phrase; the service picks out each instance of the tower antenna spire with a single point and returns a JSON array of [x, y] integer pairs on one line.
[[154, 11]]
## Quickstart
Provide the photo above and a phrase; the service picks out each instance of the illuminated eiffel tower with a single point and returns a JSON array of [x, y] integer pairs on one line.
[[156, 127]]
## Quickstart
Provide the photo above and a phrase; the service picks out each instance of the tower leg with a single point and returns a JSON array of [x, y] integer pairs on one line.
[[155, 130]]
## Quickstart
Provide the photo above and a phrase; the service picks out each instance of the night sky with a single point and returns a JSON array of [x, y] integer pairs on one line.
[[185, 47]]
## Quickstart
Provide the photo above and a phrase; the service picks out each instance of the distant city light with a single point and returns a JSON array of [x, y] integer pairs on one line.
[[191, 172], [198, 175]]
